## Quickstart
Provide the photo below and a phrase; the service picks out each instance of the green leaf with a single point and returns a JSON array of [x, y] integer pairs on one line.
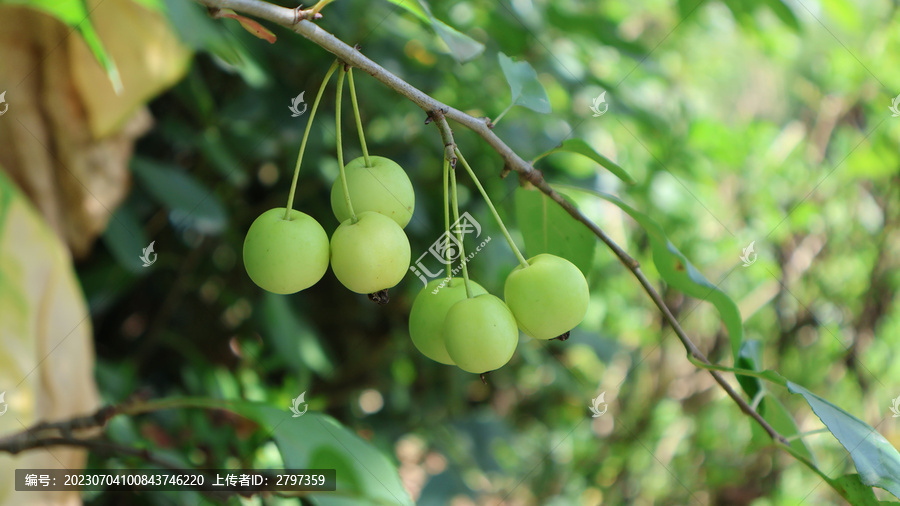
[[189, 201], [125, 238], [461, 46], [548, 228], [679, 273], [784, 13], [853, 490], [524, 85], [294, 339], [74, 13], [581, 147], [877, 462], [774, 412], [364, 475], [415, 8]]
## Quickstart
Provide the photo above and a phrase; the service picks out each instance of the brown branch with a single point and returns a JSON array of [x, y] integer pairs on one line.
[[440, 112]]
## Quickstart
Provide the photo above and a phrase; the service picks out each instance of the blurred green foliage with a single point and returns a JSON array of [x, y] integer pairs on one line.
[[739, 122]]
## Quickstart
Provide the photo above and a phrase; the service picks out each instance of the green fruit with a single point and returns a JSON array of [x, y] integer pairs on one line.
[[480, 334], [548, 298], [285, 256], [383, 188], [370, 255], [426, 318]]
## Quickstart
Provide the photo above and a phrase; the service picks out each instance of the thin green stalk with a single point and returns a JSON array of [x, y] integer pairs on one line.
[[502, 114], [312, 114], [490, 204], [807, 433], [359, 126], [447, 212], [340, 150], [462, 251]]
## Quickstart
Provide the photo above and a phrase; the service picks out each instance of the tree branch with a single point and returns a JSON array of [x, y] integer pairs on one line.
[[440, 112]]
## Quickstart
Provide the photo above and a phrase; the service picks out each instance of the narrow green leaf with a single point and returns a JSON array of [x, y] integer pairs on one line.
[[189, 201], [74, 13], [774, 412], [877, 462], [581, 147], [524, 85], [294, 339], [548, 228], [678, 272], [413, 7]]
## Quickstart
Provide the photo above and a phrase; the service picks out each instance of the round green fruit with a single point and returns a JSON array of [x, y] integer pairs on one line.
[[370, 255], [426, 318], [383, 188], [285, 256], [480, 334], [548, 298]]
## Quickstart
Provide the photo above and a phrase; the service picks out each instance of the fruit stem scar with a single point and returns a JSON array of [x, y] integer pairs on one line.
[[359, 127], [490, 204], [312, 114], [459, 238], [340, 150]]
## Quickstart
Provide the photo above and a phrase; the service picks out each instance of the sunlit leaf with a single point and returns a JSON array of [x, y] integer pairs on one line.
[[877, 462], [74, 13], [581, 147], [524, 85], [462, 47]]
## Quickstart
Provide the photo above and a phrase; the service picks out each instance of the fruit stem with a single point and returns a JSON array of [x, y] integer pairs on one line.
[[447, 212], [340, 150], [462, 251], [493, 209], [312, 114], [359, 127]]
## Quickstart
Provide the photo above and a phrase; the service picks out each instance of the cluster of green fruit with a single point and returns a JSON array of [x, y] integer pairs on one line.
[[288, 251], [457, 322], [454, 321]]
